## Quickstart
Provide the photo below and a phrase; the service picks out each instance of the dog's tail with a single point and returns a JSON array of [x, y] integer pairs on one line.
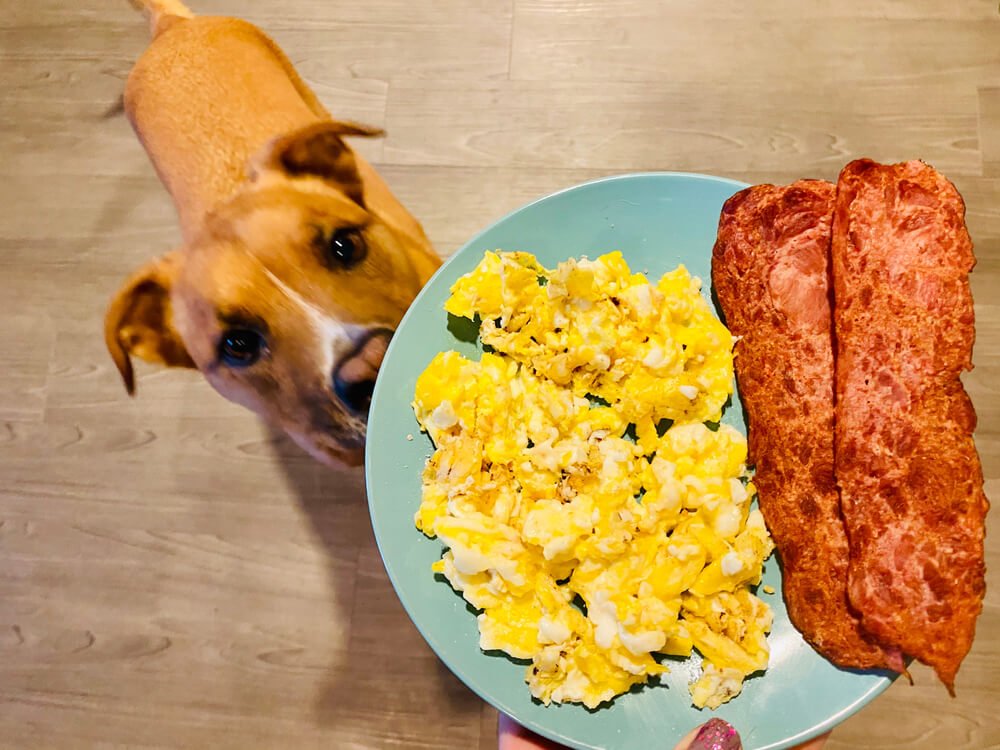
[[162, 13]]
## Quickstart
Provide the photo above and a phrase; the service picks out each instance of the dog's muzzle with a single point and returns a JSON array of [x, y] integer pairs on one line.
[[354, 376]]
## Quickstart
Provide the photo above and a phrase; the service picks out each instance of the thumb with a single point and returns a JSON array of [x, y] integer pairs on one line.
[[714, 734], [717, 734]]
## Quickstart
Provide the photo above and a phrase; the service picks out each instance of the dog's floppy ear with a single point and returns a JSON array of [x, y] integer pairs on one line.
[[319, 151], [139, 321]]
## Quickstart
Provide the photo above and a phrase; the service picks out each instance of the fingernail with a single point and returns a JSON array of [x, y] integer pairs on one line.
[[716, 735]]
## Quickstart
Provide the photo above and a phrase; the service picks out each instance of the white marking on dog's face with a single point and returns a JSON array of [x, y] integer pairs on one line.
[[336, 339]]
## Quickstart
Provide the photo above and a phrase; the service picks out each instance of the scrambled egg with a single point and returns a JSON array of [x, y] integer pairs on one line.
[[589, 513]]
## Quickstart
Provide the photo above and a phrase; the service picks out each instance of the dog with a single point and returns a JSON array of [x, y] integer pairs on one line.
[[297, 261]]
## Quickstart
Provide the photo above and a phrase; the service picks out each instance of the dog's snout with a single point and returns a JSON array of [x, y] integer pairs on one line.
[[354, 378], [356, 394]]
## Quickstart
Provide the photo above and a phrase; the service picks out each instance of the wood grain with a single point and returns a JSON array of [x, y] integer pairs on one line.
[[678, 124], [173, 574], [989, 129], [820, 45]]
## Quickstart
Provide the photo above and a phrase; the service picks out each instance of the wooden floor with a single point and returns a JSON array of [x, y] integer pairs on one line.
[[172, 575]]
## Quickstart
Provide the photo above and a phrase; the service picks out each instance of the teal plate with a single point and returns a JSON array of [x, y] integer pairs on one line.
[[657, 220]]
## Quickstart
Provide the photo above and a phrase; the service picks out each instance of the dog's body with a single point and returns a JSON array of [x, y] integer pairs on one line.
[[297, 262]]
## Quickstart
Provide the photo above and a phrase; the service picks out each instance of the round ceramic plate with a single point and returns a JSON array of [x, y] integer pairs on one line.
[[657, 221]]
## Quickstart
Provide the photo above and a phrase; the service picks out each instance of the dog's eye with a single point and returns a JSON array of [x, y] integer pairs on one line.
[[346, 248], [240, 347]]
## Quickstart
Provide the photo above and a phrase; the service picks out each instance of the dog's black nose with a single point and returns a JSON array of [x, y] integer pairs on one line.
[[356, 394], [354, 377]]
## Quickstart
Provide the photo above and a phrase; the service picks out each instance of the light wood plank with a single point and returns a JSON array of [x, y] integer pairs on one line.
[[451, 38], [674, 125], [822, 46], [989, 129], [27, 341], [735, 10]]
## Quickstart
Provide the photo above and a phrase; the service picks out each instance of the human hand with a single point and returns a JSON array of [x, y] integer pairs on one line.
[[713, 735]]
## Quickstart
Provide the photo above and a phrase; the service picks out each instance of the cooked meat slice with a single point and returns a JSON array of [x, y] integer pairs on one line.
[[770, 273], [909, 475]]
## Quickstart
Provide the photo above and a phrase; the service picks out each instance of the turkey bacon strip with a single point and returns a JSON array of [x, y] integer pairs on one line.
[[909, 475], [770, 270]]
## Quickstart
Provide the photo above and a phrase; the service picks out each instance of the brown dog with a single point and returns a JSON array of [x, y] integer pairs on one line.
[[297, 262]]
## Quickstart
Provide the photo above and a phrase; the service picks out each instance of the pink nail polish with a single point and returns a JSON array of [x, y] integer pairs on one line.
[[716, 735]]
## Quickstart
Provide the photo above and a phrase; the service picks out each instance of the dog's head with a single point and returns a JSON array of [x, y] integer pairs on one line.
[[288, 296]]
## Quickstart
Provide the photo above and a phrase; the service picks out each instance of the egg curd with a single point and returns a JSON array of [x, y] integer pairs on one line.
[[589, 512]]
